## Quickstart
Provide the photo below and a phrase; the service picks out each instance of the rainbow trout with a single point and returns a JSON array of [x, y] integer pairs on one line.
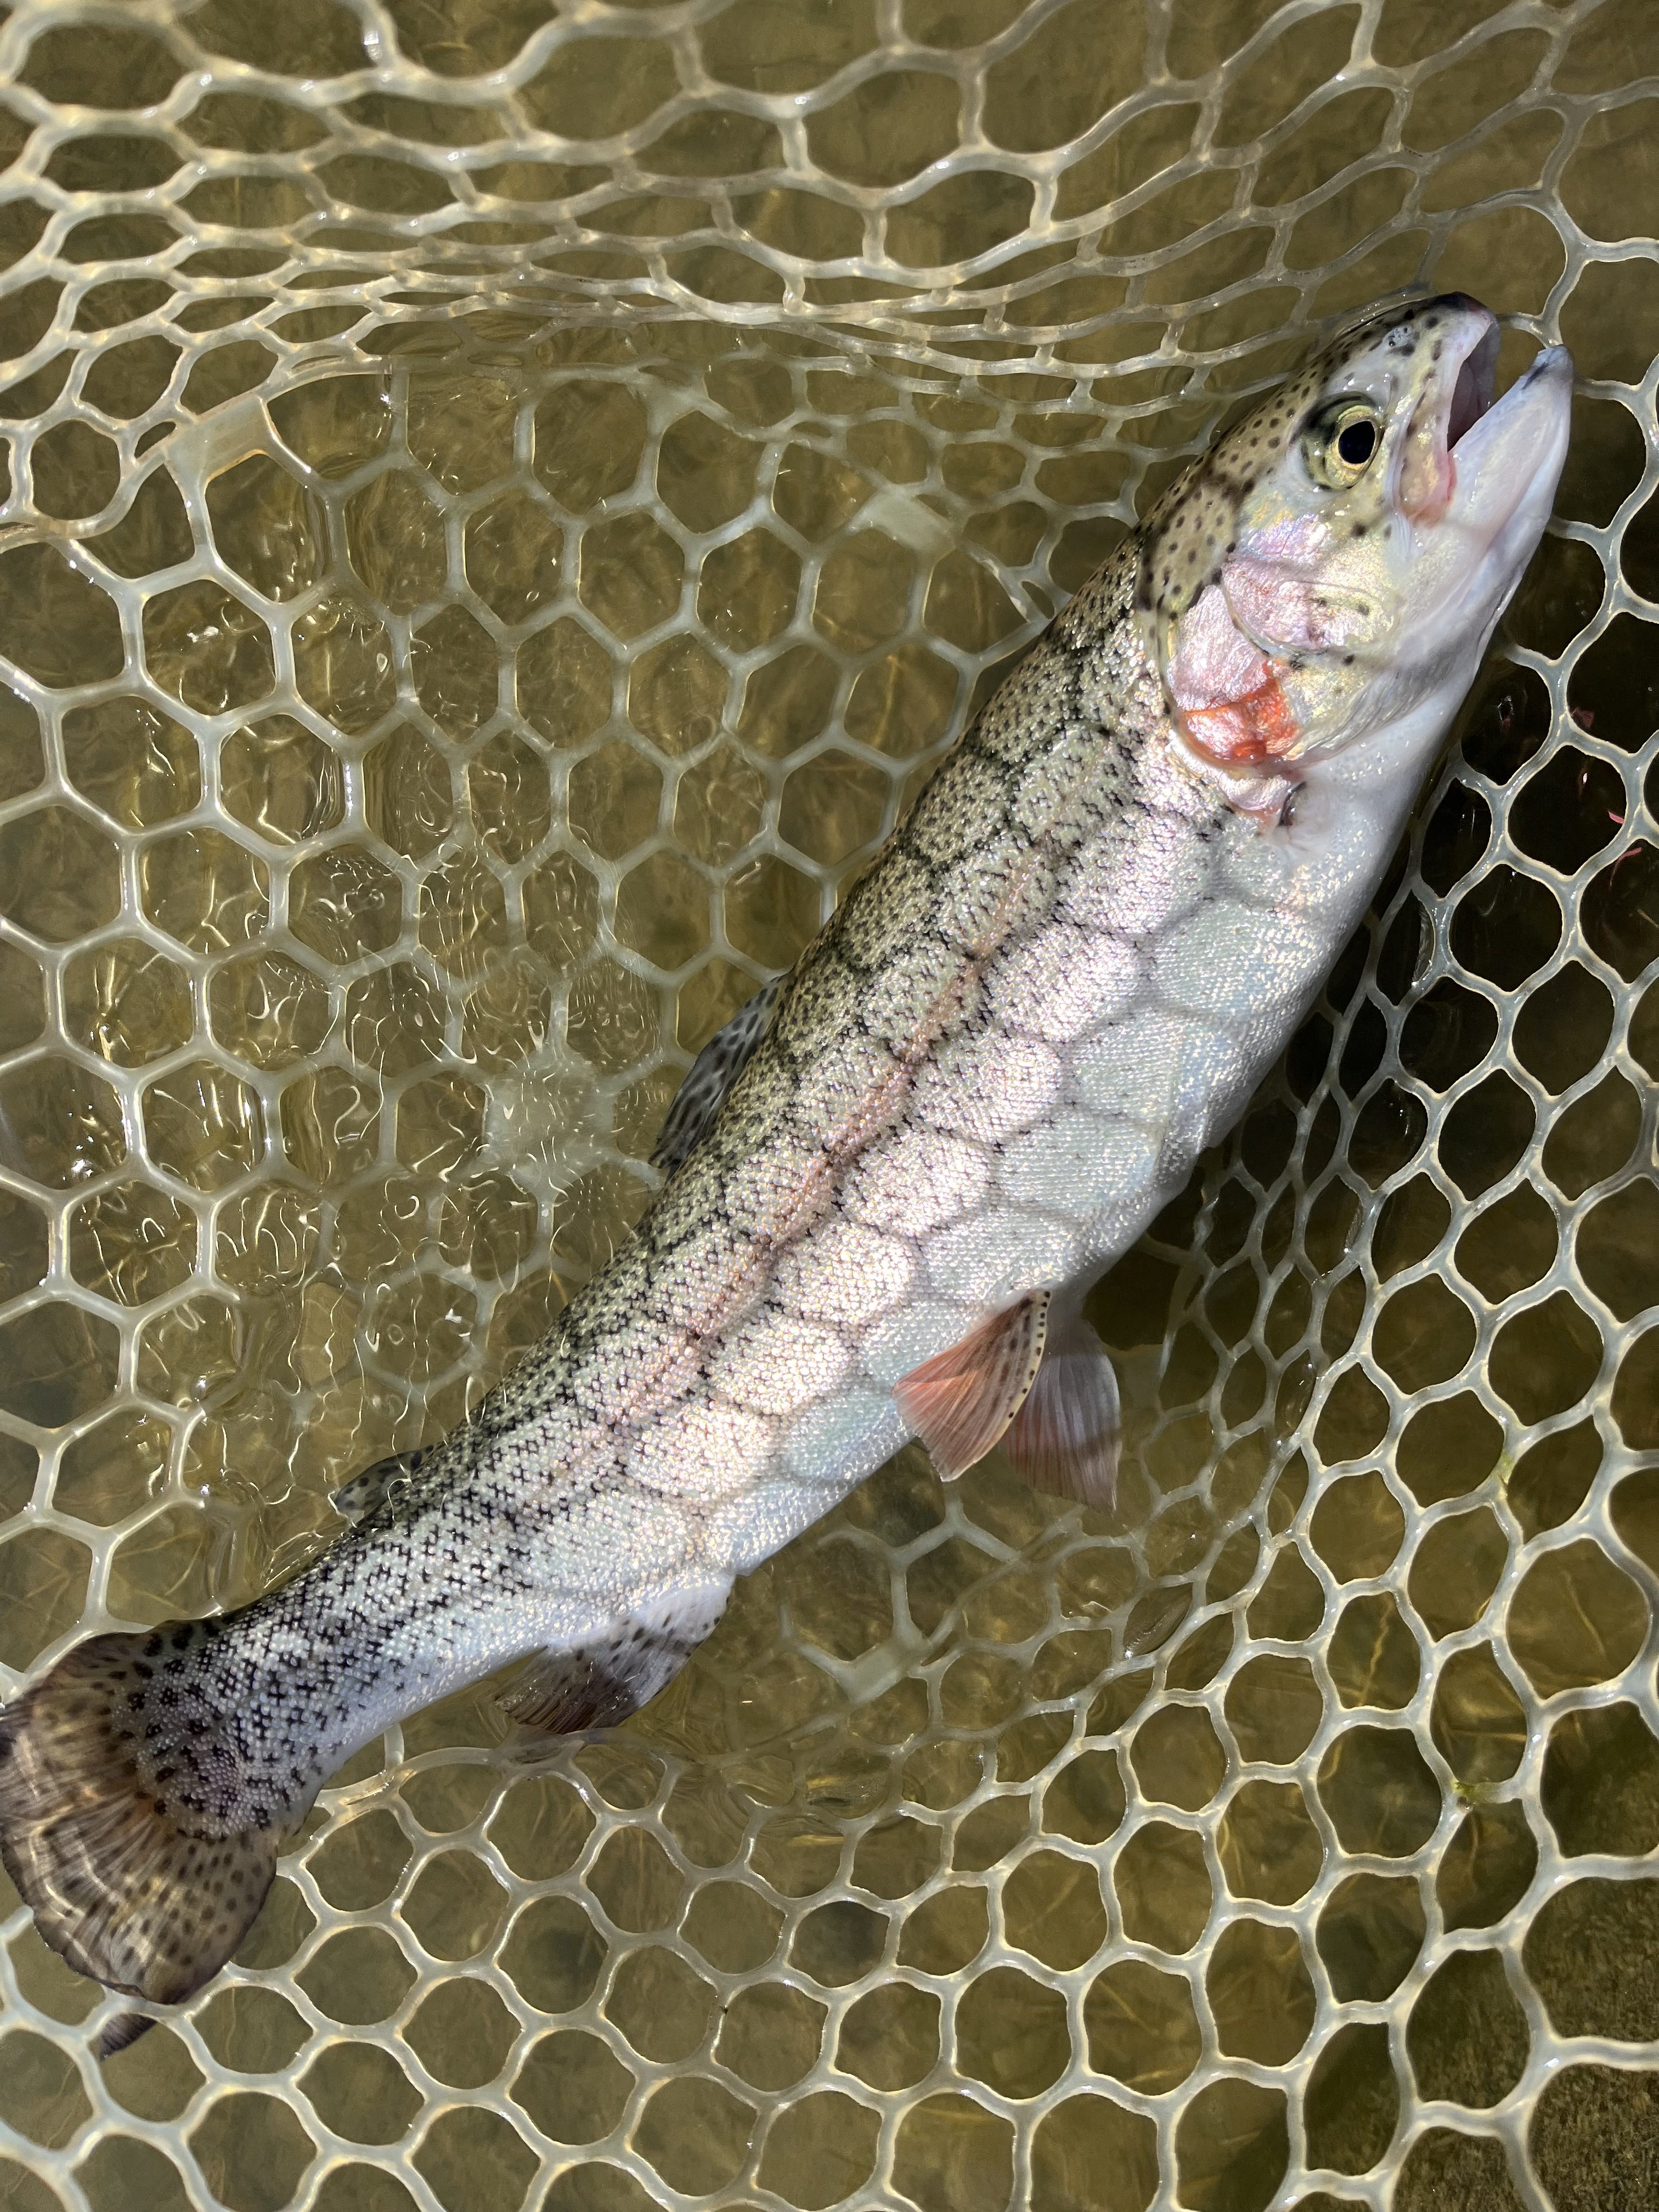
[[892, 1181]]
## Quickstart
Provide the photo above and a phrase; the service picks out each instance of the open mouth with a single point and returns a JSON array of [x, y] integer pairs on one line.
[[1449, 409], [1472, 394]]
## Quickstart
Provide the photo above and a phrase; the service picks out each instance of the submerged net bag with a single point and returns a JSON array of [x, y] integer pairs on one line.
[[505, 502]]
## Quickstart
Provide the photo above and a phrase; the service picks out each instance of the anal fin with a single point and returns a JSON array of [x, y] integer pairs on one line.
[[561, 1693], [597, 1684], [962, 1401], [1065, 1438]]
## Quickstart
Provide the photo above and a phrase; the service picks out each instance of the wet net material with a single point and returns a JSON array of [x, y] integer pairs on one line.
[[504, 501]]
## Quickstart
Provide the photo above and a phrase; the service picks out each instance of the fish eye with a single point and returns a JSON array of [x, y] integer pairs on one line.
[[1356, 442], [1339, 442]]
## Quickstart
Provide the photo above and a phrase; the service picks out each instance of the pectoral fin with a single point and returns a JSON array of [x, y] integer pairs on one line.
[[962, 1401], [1065, 1437]]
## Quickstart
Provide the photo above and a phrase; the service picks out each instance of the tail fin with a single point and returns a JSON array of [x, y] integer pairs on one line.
[[128, 1868]]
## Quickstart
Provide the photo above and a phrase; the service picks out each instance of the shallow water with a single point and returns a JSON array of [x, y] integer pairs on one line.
[[474, 595]]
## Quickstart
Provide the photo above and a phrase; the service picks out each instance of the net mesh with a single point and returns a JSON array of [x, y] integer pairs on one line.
[[503, 503]]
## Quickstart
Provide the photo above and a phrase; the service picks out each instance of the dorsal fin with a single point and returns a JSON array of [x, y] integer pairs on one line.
[[1065, 1439], [962, 1401], [712, 1074]]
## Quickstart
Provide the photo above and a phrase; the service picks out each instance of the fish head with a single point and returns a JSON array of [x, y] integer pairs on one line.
[[1337, 561]]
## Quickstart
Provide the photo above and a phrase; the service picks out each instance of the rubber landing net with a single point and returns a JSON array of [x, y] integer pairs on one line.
[[503, 503]]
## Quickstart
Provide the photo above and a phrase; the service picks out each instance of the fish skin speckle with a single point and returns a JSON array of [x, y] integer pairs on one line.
[[892, 1181]]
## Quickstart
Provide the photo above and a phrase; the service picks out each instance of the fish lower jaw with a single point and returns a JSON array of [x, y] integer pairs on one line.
[[1509, 465], [1383, 768]]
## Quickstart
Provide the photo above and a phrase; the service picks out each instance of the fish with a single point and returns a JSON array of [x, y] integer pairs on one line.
[[890, 1182]]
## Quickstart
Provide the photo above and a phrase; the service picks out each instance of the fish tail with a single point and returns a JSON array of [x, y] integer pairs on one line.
[[124, 1816]]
